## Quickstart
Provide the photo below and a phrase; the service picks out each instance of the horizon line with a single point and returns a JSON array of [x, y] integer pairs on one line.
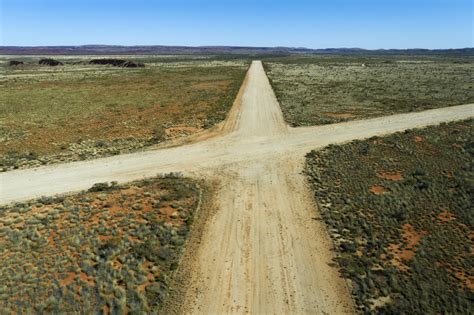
[[232, 46]]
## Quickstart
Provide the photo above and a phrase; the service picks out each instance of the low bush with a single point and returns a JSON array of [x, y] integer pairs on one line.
[[316, 90], [400, 215], [93, 245], [50, 62]]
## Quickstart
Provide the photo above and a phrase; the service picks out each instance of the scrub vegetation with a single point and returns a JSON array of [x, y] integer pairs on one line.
[[314, 90], [399, 210], [109, 250], [79, 110]]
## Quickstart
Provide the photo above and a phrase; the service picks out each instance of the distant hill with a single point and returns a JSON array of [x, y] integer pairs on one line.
[[161, 50]]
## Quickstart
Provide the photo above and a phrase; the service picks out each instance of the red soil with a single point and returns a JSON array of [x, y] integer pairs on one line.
[[406, 250], [446, 216], [390, 175], [419, 139], [377, 190]]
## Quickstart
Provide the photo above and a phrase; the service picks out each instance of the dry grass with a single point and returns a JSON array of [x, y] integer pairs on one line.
[[315, 90], [400, 212], [112, 249], [46, 109]]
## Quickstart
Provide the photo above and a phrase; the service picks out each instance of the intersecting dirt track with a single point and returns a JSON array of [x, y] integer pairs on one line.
[[261, 251]]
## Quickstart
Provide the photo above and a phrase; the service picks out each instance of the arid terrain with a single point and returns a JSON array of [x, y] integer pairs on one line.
[[399, 209], [110, 249], [78, 110], [263, 246], [315, 90]]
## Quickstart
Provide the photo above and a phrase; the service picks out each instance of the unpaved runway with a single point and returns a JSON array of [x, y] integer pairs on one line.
[[262, 251]]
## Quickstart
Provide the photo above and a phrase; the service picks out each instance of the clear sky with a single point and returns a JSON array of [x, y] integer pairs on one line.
[[296, 23]]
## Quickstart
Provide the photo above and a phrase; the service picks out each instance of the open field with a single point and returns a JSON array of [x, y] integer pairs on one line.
[[110, 249], [261, 246], [314, 90], [399, 210], [80, 111]]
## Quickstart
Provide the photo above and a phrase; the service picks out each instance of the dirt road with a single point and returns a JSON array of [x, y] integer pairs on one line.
[[261, 251]]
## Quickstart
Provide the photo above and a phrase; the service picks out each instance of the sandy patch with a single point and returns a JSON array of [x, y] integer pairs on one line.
[[391, 175], [446, 216], [378, 190], [379, 302], [466, 280], [405, 251], [68, 280]]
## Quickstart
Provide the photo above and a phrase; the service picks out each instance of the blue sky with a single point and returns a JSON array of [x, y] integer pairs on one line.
[[296, 23]]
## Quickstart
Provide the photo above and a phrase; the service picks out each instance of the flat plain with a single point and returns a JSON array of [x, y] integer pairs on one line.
[[80, 111], [262, 243], [314, 90]]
